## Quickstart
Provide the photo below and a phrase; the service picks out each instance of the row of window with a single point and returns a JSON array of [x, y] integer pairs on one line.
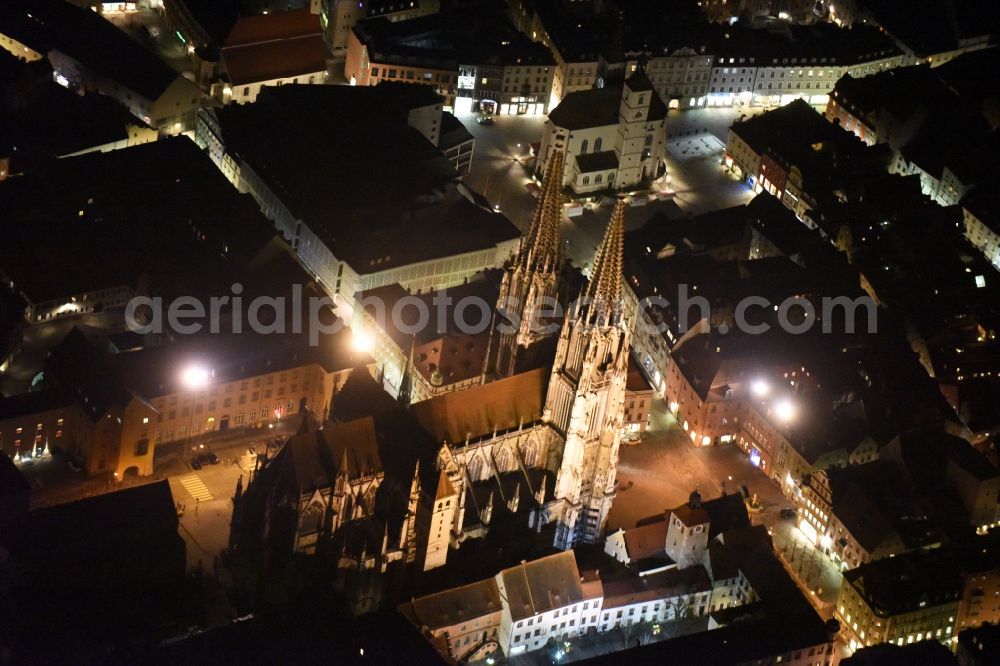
[[410, 75]]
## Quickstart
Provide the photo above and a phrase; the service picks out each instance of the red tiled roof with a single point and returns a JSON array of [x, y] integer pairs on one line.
[[273, 27], [646, 541], [275, 60]]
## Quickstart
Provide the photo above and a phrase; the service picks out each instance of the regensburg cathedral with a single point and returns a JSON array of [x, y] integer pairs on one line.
[[536, 440]]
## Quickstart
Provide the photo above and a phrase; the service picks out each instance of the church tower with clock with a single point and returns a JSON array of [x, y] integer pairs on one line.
[[636, 129]]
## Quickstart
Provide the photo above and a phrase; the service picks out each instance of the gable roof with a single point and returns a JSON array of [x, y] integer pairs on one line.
[[541, 585], [273, 46], [315, 458], [597, 108], [481, 410], [444, 487], [361, 396], [646, 541], [273, 26], [458, 604]]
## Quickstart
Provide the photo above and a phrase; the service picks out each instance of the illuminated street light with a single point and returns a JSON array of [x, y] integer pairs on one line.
[[362, 341], [760, 388], [195, 377], [785, 410]]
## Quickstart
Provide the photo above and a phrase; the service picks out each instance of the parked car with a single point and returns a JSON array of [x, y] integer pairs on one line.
[[211, 458], [788, 513], [196, 463], [485, 120]]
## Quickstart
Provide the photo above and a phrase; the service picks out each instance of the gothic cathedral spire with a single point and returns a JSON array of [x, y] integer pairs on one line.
[[530, 285], [586, 396], [604, 290]]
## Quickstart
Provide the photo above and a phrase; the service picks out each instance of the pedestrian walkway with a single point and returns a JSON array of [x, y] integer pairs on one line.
[[195, 487]]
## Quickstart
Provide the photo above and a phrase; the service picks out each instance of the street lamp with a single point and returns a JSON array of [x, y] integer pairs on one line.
[[362, 341], [760, 388], [194, 378], [785, 410]]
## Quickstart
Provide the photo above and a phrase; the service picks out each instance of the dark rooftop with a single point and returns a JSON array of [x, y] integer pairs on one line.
[[88, 38], [41, 120], [597, 108], [899, 584], [929, 652], [602, 161], [35, 402], [176, 204], [337, 181], [471, 36]]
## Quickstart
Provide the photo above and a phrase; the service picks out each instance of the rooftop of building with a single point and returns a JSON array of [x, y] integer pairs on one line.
[[120, 518], [302, 638], [646, 541], [389, 443], [450, 349], [272, 26], [453, 132], [361, 395], [158, 370], [275, 45], [782, 622], [35, 402], [598, 107], [655, 587], [81, 365], [907, 582], [89, 39], [723, 513], [542, 585], [927, 651], [466, 35], [636, 381], [381, 302], [900, 90], [982, 643], [929, 27], [280, 59], [336, 182], [458, 605], [63, 215], [41, 120], [479, 411], [874, 501], [819, 44]]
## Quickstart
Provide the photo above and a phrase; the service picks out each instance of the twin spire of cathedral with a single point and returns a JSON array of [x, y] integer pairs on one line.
[[540, 249], [604, 290]]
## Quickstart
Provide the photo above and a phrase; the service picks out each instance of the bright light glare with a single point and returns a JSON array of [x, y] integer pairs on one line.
[[760, 388], [195, 377], [785, 410], [363, 342]]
